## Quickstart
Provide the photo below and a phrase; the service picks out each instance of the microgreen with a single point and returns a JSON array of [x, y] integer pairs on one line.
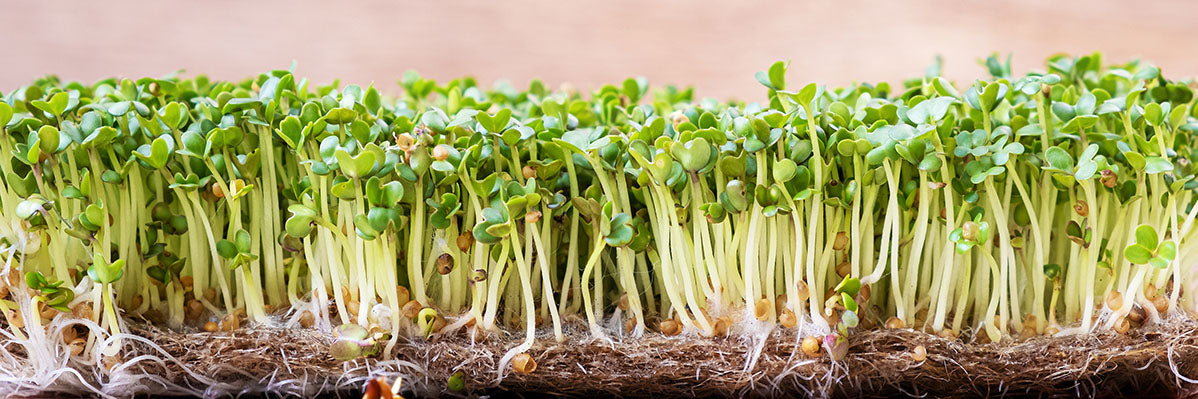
[[1004, 204]]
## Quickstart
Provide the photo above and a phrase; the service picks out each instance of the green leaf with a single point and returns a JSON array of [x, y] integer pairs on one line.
[[356, 166], [1146, 236], [340, 116], [1154, 165], [1167, 250], [497, 123], [26, 209], [849, 285], [1158, 263], [226, 249], [693, 155], [1058, 159], [5, 113], [784, 170], [1137, 254], [622, 232], [48, 139], [104, 272]]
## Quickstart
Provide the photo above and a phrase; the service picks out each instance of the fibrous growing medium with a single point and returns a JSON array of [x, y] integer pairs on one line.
[[1055, 203]]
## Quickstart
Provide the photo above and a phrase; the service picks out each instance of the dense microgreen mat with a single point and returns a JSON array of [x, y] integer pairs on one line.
[[1057, 202]]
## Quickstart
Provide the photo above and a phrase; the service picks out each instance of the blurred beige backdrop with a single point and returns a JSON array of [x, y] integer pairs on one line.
[[716, 45]]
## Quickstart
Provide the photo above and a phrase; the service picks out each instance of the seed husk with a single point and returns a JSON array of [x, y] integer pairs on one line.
[[788, 319], [919, 354], [1161, 304], [307, 319], [465, 241], [77, 345], [802, 291], [230, 322], [411, 309], [444, 264], [401, 294], [524, 364], [811, 347], [670, 327], [762, 309], [841, 242], [895, 323], [1122, 325], [1114, 300], [722, 325]]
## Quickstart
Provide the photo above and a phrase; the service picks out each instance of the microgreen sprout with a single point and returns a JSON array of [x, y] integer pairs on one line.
[[1003, 207]]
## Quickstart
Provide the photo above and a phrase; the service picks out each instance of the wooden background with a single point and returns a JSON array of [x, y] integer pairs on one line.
[[716, 45]]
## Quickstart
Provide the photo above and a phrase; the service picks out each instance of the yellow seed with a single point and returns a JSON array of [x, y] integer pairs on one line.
[[528, 172], [1052, 330], [3, 291], [722, 325], [762, 309], [47, 312], [402, 295], [230, 322], [843, 268], [441, 152], [863, 294], [1114, 300], [411, 309], [187, 282], [532, 216], [802, 291], [1027, 332], [137, 301], [842, 241], [1151, 293], [788, 319], [110, 362], [1161, 304], [811, 346], [69, 334], [670, 327], [211, 326], [1136, 316], [405, 141], [210, 294], [307, 319], [524, 364], [623, 302], [445, 264], [378, 388], [1122, 325], [919, 354], [1082, 208], [630, 325], [194, 309], [895, 322], [439, 323], [465, 240], [76, 345]]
